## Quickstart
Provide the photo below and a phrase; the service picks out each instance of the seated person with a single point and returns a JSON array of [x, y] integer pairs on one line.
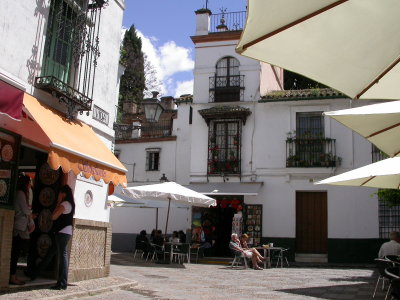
[[243, 243], [392, 247], [175, 237], [234, 245], [142, 243], [182, 236], [158, 239]]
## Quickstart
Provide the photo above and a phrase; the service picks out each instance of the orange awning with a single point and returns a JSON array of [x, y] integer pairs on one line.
[[73, 145]]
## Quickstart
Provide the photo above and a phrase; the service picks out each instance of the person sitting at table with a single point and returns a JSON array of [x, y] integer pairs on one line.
[[392, 247], [234, 245], [243, 243], [142, 242], [175, 237], [182, 236], [158, 239]]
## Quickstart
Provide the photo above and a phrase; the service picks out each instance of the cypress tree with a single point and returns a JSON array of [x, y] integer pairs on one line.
[[132, 83]]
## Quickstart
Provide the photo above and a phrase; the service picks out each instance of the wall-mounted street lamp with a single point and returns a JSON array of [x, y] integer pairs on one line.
[[163, 178], [152, 108]]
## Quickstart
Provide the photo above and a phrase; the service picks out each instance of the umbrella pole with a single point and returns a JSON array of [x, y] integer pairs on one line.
[[166, 223], [156, 218]]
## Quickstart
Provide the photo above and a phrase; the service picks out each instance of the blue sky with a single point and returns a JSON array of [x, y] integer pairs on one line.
[[165, 27]]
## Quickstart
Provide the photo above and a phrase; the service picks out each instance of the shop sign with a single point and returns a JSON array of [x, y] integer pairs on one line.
[[85, 167], [100, 115]]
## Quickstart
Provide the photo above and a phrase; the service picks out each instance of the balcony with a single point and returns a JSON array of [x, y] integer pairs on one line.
[[159, 129], [224, 167], [226, 88], [311, 153], [222, 22]]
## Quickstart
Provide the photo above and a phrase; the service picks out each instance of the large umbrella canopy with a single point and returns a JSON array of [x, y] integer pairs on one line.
[[382, 174], [350, 45], [379, 123], [170, 191]]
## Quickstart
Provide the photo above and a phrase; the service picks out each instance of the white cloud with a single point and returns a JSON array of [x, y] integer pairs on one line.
[[167, 60], [184, 87]]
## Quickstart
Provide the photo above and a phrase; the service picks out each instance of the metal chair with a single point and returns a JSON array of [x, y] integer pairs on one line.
[[237, 260], [393, 274], [181, 252], [194, 250], [382, 264], [281, 257], [155, 252]]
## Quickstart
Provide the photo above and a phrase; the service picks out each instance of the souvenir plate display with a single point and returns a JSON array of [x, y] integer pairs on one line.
[[47, 196], [43, 244], [253, 224], [45, 221], [7, 152], [47, 175]]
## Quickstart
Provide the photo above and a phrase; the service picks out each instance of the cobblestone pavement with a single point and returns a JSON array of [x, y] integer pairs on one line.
[[141, 280], [200, 281]]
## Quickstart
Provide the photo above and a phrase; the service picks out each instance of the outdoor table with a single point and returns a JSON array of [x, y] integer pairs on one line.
[[267, 254], [172, 244]]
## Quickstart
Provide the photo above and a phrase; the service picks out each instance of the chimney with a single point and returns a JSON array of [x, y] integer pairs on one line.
[[202, 21]]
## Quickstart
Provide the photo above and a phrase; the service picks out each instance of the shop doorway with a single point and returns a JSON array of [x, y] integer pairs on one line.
[[311, 222], [212, 227], [46, 183]]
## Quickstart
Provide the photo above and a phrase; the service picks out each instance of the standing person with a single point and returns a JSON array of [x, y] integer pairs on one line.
[[63, 218], [392, 247], [22, 225]]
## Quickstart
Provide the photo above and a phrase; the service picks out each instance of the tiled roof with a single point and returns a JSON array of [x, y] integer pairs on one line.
[[308, 94], [186, 98], [225, 112]]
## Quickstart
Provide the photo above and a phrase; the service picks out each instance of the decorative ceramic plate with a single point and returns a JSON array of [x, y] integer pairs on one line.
[[88, 198], [47, 196], [250, 228], [47, 175], [7, 152], [45, 221], [43, 244], [3, 188]]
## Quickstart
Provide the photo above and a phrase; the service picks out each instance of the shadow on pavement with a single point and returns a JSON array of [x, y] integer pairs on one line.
[[122, 259], [353, 291]]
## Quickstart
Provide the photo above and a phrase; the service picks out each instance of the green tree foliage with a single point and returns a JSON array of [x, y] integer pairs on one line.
[[133, 81], [391, 197]]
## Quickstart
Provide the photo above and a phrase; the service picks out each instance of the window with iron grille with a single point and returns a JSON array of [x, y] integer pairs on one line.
[[224, 147], [153, 159], [389, 219], [227, 84], [71, 51]]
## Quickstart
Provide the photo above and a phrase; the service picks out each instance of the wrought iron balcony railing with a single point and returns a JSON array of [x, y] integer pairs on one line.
[[226, 167], [146, 130], [226, 88], [233, 21], [311, 153]]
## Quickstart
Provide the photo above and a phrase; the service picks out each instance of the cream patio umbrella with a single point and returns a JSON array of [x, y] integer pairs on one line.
[[382, 174], [379, 123], [350, 45], [169, 191]]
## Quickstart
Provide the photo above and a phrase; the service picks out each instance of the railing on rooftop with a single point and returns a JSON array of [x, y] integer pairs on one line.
[[227, 21], [146, 130]]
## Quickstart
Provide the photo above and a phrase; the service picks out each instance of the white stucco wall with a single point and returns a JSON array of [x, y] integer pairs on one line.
[[23, 26]]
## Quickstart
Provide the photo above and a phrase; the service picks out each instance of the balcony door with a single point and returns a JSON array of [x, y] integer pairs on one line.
[[227, 80], [309, 133]]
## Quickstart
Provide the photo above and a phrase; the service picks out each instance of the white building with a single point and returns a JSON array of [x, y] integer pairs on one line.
[[60, 59], [245, 140]]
